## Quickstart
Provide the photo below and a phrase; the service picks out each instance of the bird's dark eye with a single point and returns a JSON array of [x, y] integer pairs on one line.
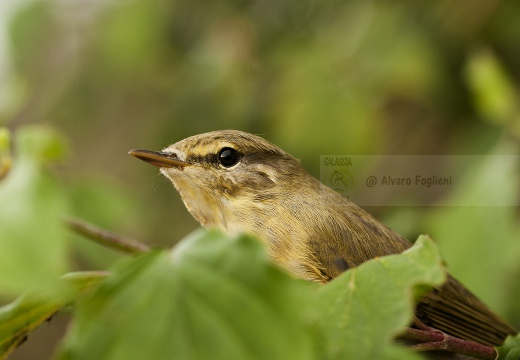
[[228, 157]]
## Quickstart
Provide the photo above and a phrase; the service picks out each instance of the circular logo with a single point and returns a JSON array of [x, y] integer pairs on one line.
[[340, 180]]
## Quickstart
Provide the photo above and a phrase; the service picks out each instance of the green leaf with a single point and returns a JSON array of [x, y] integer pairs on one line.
[[26, 313], [362, 310], [212, 297], [20, 317], [40, 145], [32, 236], [510, 349], [493, 90]]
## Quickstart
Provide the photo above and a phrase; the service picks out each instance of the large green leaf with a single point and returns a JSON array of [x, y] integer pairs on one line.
[[210, 298], [32, 236], [218, 298], [363, 309]]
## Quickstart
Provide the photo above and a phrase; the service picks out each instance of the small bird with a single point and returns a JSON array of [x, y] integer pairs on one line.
[[238, 182]]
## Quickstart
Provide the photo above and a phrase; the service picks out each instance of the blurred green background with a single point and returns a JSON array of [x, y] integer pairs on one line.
[[314, 77]]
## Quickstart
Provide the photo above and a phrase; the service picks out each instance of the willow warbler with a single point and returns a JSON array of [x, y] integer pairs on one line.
[[238, 182]]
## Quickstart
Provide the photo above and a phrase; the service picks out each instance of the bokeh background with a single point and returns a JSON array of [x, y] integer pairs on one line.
[[314, 77]]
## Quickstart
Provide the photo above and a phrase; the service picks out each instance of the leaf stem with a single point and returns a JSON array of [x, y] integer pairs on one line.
[[426, 338], [105, 237]]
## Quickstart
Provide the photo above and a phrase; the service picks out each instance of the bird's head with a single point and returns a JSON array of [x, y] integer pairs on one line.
[[226, 176]]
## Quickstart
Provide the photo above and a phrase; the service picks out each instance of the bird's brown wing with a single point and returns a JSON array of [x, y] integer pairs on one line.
[[456, 311]]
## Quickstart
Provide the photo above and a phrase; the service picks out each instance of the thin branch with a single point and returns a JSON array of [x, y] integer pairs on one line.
[[105, 237], [426, 338]]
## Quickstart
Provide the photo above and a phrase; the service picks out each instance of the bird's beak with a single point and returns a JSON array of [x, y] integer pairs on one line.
[[159, 159]]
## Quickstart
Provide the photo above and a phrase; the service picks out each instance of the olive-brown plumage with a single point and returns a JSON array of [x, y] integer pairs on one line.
[[238, 182]]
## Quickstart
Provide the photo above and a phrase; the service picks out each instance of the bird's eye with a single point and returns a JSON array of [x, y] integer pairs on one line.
[[228, 157]]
